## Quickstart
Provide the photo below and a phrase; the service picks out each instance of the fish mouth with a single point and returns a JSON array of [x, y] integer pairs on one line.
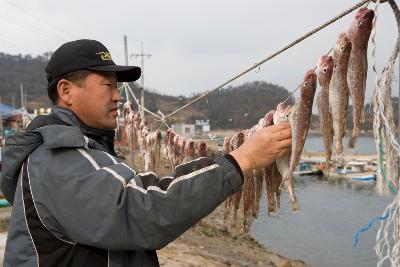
[[365, 13], [324, 62], [310, 75]]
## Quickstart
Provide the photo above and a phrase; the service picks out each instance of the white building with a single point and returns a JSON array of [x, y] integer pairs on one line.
[[186, 130], [202, 128]]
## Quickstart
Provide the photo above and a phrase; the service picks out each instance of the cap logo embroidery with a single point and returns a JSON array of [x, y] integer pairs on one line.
[[104, 55]]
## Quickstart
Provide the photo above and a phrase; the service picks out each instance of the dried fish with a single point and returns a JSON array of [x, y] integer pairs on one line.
[[358, 34], [339, 93], [324, 74]]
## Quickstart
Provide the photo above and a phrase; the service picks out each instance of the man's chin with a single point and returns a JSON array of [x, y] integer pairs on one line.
[[111, 125]]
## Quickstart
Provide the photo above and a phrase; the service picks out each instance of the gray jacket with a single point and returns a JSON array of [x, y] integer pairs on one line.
[[74, 204]]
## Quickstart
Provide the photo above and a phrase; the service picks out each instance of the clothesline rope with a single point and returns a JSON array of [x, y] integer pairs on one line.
[[258, 64]]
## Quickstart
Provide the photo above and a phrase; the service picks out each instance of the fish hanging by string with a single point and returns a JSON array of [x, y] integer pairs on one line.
[[226, 148], [170, 148], [273, 178], [248, 190], [236, 141], [299, 120], [324, 74], [358, 34], [259, 174], [339, 93], [202, 149], [281, 114], [273, 182]]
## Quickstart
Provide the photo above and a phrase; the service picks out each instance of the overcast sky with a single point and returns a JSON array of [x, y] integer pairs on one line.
[[195, 45]]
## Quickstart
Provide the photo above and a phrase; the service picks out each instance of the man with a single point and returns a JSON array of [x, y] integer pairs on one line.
[[76, 204]]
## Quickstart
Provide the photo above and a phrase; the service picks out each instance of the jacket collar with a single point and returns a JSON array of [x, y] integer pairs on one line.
[[105, 137]]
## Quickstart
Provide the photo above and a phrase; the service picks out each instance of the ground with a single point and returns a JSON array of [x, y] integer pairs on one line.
[[211, 243]]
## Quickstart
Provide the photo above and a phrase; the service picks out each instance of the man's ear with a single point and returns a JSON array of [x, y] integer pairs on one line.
[[64, 92]]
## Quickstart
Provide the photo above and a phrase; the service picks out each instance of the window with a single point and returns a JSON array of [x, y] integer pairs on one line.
[[187, 129]]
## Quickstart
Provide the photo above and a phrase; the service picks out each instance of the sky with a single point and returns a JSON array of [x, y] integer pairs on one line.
[[194, 45]]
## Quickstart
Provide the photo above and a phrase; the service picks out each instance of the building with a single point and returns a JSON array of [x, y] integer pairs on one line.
[[202, 128], [186, 130]]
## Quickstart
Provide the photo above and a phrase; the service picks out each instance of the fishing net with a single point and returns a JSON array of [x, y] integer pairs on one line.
[[388, 236]]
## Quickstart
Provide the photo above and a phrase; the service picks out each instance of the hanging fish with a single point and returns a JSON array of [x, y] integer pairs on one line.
[[358, 34], [226, 148], [236, 141], [259, 174], [273, 182], [282, 114], [324, 74], [299, 120], [339, 93]]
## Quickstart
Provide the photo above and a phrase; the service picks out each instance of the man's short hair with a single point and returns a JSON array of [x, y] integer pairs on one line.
[[78, 77]]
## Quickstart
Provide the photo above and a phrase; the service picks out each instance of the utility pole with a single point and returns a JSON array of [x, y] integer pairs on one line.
[[126, 49], [142, 55], [26, 99], [13, 101], [1, 121], [22, 94], [131, 149]]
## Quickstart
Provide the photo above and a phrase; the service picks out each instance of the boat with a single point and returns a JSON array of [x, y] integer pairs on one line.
[[356, 171], [307, 168]]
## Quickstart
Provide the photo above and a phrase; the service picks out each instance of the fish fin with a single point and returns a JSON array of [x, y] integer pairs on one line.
[[352, 141], [295, 205]]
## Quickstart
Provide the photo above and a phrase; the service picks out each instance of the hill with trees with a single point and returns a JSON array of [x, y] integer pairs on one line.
[[234, 107]]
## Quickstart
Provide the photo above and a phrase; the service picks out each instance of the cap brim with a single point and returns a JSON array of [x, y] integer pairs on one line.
[[124, 73]]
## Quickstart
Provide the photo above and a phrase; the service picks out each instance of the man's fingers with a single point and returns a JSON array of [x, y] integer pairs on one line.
[[284, 143], [282, 134], [279, 127]]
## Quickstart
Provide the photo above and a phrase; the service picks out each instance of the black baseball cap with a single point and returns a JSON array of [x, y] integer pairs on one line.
[[89, 55]]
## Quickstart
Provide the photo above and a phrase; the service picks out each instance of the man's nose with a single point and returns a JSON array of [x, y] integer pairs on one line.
[[116, 95]]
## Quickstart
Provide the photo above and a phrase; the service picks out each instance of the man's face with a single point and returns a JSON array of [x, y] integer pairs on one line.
[[96, 102]]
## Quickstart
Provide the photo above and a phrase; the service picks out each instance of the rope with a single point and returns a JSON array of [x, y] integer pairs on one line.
[[370, 224], [388, 246], [137, 102], [341, 15], [284, 101]]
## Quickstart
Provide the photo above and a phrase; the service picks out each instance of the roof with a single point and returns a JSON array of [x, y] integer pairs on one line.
[[6, 110]]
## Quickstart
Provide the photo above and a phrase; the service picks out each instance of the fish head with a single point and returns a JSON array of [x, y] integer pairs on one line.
[[227, 144], [361, 26], [158, 134], [237, 140], [189, 145], [171, 137], [269, 118], [324, 70], [342, 48], [308, 86], [202, 145], [281, 113]]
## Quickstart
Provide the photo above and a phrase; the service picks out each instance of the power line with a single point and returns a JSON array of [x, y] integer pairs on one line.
[[42, 20], [142, 55], [278, 52], [28, 27]]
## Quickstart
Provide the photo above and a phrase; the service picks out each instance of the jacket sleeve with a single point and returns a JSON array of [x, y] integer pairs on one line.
[[111, 206]]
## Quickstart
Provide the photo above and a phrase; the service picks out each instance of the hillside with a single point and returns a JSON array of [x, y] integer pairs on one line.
[[237, 107]]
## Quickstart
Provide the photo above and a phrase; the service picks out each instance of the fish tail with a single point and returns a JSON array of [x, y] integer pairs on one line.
[[295, 205], [340, 160], [292, 196], [327, 168], [353, 138]]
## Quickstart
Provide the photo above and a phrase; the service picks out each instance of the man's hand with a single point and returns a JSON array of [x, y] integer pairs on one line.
[[263, 147]]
